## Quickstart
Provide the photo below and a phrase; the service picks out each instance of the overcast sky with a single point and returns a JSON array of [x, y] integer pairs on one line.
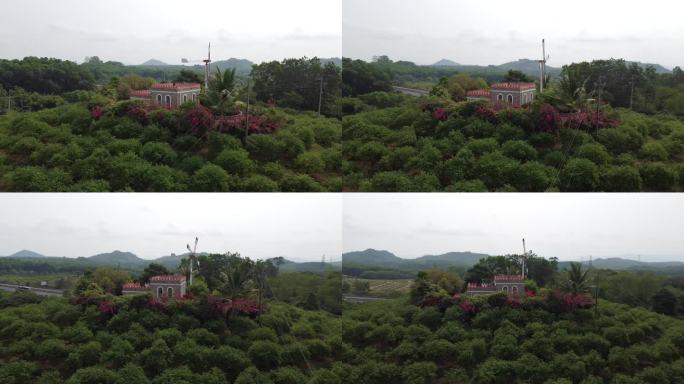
[[498, 31], [298, 226], [568, 226], [133, 31]]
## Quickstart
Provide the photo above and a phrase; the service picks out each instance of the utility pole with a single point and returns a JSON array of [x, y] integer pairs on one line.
[[542, 67], [523, 258], [247, 118], [631, 95], [207, 61], [320, 97], [598, 104]]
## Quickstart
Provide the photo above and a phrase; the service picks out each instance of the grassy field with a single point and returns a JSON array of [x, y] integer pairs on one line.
[[384, 288], [58, 281]]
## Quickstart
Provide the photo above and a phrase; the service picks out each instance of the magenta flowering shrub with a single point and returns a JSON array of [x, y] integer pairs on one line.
[[235, 124], [138, 114], [198, 120], [96, 112], [548, 119], [487, 114], [588, 120], [107, 308], [439, 114]]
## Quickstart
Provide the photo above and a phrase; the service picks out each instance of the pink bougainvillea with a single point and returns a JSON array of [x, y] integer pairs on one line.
[[548, 119], [235, 124], [588, 120], [138, 114], [156, 305], [199, 120], [107, 307], [487, 114], [96, 112], [513, 301], [439, 114], [468, 307]]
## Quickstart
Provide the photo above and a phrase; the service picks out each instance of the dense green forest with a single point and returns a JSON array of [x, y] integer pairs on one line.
[[555, 333], [95, 140], [265, 333], [562, 142]]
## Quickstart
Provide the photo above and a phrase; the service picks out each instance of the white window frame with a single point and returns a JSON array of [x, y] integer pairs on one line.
[[159, 99], [514, 289], [160, 292], [169, 291], [185, 99], [499, 97], [167, 100], [509, 99]]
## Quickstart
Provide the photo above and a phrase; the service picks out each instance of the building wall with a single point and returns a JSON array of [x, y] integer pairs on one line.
[[519, 98], [175, 97], [518, 288], [179, 289]]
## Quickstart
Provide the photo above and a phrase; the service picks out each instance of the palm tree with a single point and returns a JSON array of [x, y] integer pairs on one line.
[[236, 275], [220, 93], [577, 279]]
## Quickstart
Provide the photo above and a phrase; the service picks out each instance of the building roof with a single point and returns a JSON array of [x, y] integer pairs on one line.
[[144, 93], [167, 278], [478, 93], [175, 86], [482, 287], [131, 286], [508, 279], [513, 86]]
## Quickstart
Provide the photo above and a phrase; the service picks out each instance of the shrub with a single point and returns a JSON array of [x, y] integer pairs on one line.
[[579, 175]]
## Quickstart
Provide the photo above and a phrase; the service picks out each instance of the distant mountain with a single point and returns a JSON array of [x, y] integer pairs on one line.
[[658, 68], [372, 257], [153, 62], [335, 60], [388, 260], [117, 257], [526, 66], [24, 253], [445, 63], [242, 66], [619, 263]]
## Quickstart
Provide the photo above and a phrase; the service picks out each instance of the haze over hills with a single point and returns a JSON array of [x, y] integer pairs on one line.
[[153, 62], [527, 66], [382, 259], [130, 260], [242, 66], [386, 259], [25, 254]]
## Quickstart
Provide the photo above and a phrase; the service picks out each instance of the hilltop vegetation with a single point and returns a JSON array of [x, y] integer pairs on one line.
[[118, 146], [234, 326], [495, 340]]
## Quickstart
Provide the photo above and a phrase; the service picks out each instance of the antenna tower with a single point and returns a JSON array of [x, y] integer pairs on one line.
[[542, 67], [192, 257], [523, 258], [207, 61]]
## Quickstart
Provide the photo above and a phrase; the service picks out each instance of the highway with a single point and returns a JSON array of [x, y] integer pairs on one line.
[[37, 291], [411, 91], [361, 299]]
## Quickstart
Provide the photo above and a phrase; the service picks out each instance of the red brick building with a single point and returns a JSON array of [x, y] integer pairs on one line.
[[511, 284], [160, 286], [168, 94], [506, 94]]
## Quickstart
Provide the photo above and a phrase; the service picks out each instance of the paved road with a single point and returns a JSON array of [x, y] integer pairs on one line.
[[361, 299], [37, 291], [411, 91]]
